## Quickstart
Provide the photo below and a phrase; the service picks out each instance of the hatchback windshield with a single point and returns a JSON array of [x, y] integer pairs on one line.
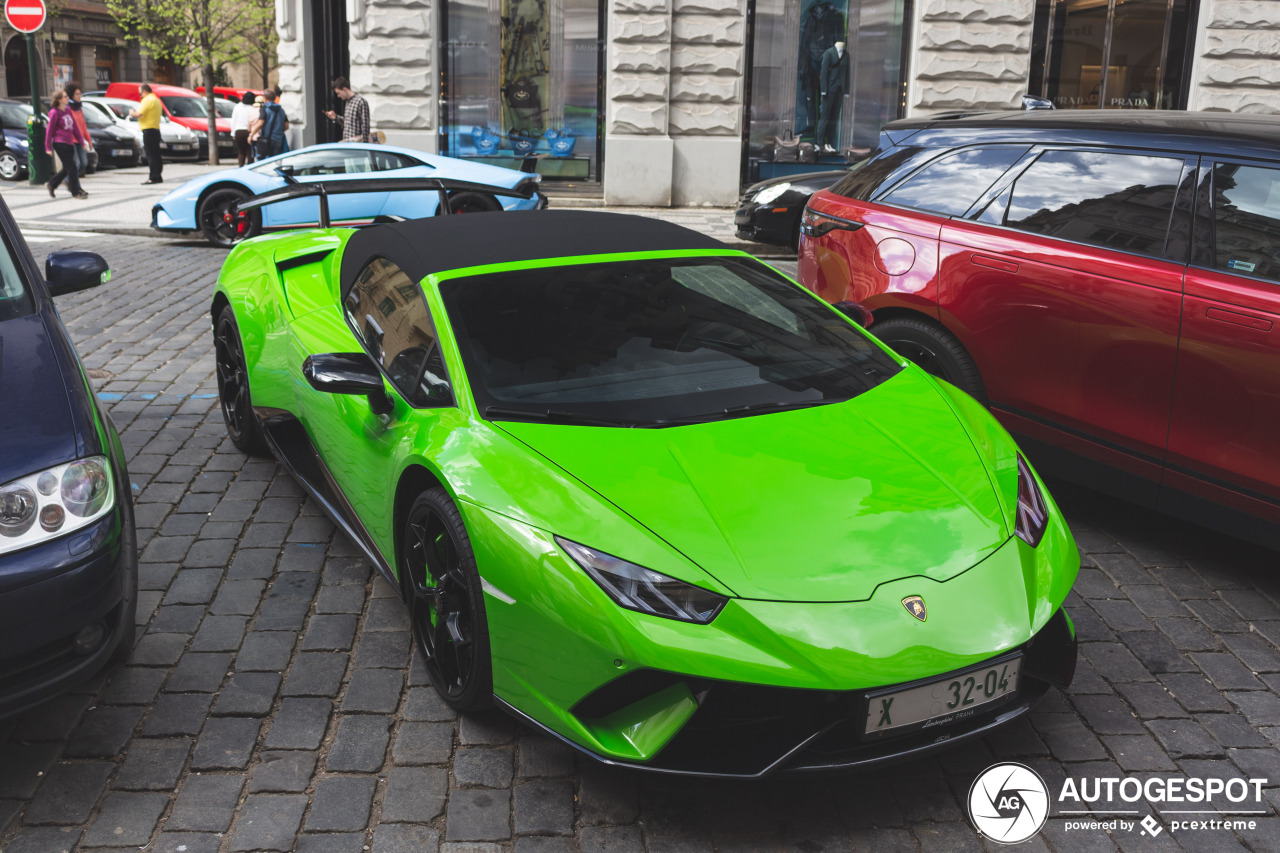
[[654, 343], [185, 107]]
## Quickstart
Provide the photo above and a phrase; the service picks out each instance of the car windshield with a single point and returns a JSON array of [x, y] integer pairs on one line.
[[14, 116], [15, 301], [94, 117], [654, 343], [185, 107], [224, 108]]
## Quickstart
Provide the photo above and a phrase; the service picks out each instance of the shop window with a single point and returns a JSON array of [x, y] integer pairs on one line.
[[1119, 201], [1112, 54], [523, 78], [789, 41]]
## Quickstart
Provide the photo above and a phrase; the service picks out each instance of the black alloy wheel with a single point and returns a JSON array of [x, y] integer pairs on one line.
[[934, 349], [472, 203], [220, 223], [233, 386], [441, 587]]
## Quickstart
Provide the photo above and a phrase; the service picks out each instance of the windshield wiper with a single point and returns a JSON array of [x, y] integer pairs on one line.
[[759, 408], [551, 416]]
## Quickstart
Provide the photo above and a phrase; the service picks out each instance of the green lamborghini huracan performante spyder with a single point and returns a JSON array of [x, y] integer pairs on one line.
[[647, 494]]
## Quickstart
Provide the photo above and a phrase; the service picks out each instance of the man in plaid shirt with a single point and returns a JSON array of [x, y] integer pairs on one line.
[[355, 118]]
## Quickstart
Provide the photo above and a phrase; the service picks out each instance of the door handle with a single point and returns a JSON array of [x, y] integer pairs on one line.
[[1249, 321], [994, 263]]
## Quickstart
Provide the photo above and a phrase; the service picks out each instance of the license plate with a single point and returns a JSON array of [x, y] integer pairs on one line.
[[945, 700], [120, 152]]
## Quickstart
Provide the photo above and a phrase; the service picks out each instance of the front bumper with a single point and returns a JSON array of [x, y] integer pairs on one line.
[[752, 731], [50, 592], [767, 686], [768, 223]]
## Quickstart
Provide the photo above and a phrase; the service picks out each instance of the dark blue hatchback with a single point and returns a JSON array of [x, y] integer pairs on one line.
[[68, 550]]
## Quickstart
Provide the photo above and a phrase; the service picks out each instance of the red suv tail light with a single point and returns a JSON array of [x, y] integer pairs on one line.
[[814, 224], [1032, 513]]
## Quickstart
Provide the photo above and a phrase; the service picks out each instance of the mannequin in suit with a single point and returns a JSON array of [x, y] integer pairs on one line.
[[834, 81]]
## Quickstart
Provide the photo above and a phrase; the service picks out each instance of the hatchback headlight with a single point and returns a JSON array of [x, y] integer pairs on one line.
[[54, 502], [1032, 513], [644, 590]]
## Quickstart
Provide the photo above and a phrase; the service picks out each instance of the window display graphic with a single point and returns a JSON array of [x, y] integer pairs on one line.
[[526, 45], [822, 24]]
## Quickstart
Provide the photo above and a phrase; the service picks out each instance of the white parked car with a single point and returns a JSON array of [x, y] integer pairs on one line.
[[176, 141]]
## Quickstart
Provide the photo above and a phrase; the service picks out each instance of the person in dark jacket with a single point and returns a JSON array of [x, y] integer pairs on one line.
[[835, 83], [63, 135]]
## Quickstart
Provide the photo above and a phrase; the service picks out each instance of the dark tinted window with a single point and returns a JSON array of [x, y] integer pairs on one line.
[[1121, 201], [1246, 220], [879, 170], [185, 107], [387, 312], [323, 161], [647, 342], [949, 185], [14, 116]]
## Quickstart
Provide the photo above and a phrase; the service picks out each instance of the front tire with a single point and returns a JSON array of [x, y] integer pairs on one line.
[[10, 168], [233, 386], [935, 350], [211, 217], [441, 586]]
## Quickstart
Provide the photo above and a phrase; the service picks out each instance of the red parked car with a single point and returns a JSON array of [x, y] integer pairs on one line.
[[1107, 281]]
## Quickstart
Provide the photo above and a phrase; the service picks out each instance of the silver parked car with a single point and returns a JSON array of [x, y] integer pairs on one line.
[[176, 141]]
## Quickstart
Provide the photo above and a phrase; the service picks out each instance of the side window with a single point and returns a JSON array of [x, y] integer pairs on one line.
[[864, 179], [1120, 201], [328, 161], [389, 315], [386, 161], [949, 185], [1246, 220]]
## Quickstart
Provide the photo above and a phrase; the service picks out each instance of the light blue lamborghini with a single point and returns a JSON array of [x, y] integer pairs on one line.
[[207, 203]]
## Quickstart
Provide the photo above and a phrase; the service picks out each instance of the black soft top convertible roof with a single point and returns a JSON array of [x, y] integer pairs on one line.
[[440, 243]]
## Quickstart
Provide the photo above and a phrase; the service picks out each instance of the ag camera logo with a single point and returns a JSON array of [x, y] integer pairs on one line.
[[1009, 803]]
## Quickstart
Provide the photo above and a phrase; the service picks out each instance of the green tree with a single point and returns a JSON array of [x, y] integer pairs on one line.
[[207, 33]]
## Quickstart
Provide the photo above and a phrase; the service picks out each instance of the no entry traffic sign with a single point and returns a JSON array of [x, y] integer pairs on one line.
[[25, 16]]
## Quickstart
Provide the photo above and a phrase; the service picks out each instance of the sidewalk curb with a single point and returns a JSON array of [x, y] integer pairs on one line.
[[95, 227]]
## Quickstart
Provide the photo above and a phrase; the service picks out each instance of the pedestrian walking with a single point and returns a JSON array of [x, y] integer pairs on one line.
[[148, 114], [77, 112], [240, 119], [63, 136], [270, 127], [355, 116]]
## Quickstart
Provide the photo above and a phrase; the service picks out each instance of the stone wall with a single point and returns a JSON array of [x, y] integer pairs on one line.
[[392, 49], [970, 54], [1237, 64], [291, 59], [674, 107]]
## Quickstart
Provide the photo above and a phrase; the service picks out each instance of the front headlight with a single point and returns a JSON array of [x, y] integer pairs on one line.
[[201, 134], [769, 194], [1032, 513], [63, 498], [644, 590]]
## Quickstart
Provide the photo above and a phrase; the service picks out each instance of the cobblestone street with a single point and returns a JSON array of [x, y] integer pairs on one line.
[[271, 702]]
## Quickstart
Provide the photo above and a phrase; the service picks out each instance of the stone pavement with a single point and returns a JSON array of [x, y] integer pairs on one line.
[[271, 702]]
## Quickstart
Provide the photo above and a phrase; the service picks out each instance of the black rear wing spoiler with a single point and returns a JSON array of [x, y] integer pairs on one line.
[[526, 189]]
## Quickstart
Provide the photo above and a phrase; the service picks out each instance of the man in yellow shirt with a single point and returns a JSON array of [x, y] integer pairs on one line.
[[148, 116]]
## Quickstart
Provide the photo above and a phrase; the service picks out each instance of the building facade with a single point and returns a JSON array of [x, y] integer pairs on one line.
[[658, 102]]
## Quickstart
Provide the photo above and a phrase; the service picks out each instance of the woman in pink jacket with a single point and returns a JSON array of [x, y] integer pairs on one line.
[[63, 136]]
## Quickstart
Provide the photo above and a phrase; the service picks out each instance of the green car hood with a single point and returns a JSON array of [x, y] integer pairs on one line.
[[818, 504]]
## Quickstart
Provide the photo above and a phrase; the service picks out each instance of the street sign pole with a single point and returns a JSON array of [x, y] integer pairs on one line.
[[38, 165]]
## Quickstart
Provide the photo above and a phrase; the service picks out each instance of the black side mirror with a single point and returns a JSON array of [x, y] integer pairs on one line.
[[67, 272], [855, 311], [348, 373]]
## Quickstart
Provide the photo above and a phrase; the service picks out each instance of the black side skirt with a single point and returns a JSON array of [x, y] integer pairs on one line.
[[289, 442]]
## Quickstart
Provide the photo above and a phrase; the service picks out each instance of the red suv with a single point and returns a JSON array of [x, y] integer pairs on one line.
[[1107, 281]]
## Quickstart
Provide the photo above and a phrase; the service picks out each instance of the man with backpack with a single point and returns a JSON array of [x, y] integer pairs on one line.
[[270, 127]]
